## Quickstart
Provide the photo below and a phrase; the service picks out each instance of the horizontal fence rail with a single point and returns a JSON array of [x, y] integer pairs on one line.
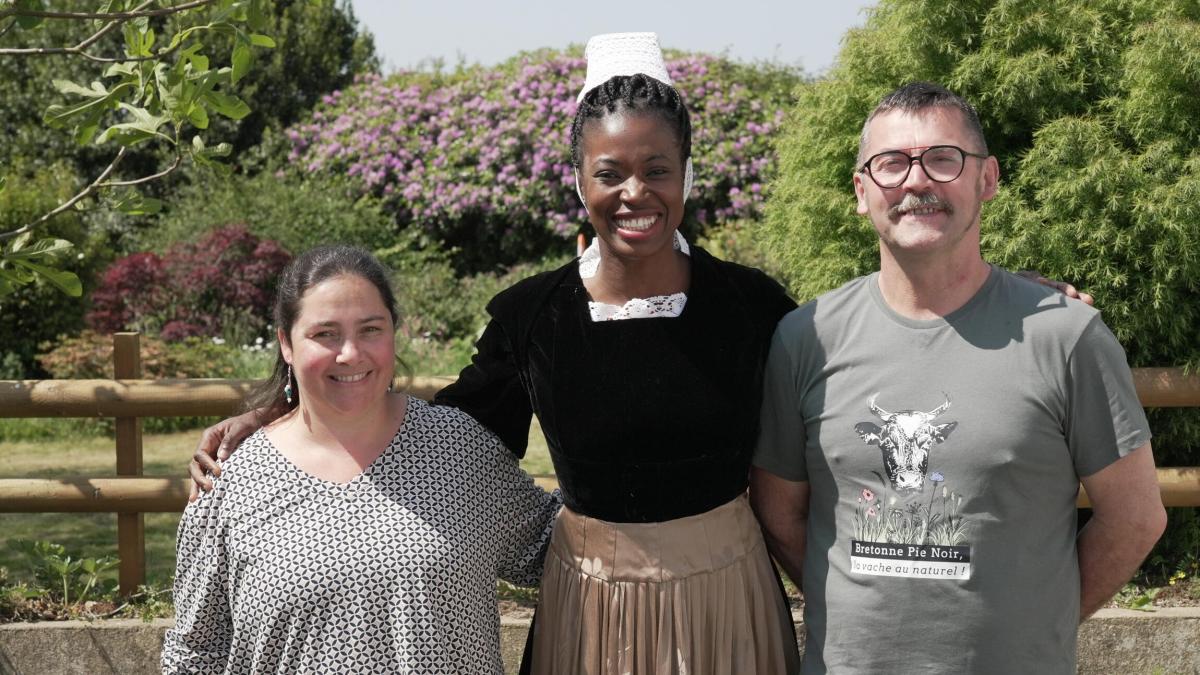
[[147, 398], [110, 495], [1179, 486], [130, 398], [1167, 387]]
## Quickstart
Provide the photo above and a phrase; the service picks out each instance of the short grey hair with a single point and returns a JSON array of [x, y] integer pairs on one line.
[[918, 96]]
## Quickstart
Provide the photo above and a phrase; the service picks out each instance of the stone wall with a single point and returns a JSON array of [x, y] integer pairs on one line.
[[1114, 641]]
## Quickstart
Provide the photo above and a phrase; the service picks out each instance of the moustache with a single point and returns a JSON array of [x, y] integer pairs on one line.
[[924, 200]]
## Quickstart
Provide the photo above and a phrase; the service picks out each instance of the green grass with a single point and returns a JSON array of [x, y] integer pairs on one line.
[[95, 535]]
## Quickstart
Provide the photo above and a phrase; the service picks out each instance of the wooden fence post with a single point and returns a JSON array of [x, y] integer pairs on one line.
[[131, 530]]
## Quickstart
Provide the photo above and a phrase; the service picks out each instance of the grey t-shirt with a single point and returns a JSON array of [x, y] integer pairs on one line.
[[943, 459]]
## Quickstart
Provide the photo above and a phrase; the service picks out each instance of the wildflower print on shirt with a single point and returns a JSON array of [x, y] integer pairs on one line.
[[897, 531]]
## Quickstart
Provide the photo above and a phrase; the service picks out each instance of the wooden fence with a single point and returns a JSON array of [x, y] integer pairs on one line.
[[127, 398]]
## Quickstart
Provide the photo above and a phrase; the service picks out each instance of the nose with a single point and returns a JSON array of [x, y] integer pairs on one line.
[[917, 178], [632, 189], [349, 351]]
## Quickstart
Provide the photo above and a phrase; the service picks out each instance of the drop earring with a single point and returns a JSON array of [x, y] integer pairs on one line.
[[287, 388]]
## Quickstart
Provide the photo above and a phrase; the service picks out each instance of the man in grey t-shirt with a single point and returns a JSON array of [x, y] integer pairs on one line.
[[925, 430]]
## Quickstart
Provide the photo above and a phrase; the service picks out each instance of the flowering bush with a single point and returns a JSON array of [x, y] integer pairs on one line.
[[221, 286], [480, 159]]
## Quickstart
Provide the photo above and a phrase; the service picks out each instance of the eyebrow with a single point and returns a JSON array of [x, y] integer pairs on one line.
[[369, 319], [613, 162]]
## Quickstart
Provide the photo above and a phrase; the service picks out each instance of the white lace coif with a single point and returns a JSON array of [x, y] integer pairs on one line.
[[615, 54]]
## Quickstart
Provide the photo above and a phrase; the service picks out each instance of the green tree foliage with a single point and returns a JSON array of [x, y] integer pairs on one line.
[[27, 88], [1091, 109], [38, 312], [159, 88], [319, 48]]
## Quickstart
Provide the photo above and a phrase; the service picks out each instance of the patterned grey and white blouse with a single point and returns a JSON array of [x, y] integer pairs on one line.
[[394, 572]]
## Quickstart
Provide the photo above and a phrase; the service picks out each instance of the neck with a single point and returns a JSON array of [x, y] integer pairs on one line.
[[931, 287], [354, 434], [619, 280]]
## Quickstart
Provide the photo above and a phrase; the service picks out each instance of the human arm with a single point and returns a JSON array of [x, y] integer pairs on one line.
[[199, 641], [217, 443], [525, 515], [1060, 286], [782, 509], [779, 487], [491, 391], [1127, 519]]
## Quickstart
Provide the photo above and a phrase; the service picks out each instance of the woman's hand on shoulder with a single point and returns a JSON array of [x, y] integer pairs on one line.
[[1060, 286], [218, 443]]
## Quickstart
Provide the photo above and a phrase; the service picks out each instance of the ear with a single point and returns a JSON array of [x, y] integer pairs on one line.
[[942, 431], [860, 192], [868, 432], [990, 177], [285, 347]]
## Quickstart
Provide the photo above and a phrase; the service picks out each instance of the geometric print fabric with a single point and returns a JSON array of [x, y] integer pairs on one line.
[[393, 572]]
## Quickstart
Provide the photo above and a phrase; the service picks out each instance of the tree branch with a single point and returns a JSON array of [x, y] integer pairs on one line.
[[108, 27], [144, 179], [80, 49], [92, 187], [118, 16], [48, 51]]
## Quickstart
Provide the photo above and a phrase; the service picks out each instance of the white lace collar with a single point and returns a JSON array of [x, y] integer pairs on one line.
[[636, 308], [589, 261]]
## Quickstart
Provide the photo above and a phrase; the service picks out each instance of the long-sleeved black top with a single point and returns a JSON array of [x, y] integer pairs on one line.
[[646, 419]]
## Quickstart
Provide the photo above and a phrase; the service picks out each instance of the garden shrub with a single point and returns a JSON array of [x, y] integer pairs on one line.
[[441, 314], [222, 285], [89, 356], [299, 212], [479, 159], [1091, 109]]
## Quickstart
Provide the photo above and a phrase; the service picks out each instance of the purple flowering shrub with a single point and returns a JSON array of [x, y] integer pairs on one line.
[[480, 159]]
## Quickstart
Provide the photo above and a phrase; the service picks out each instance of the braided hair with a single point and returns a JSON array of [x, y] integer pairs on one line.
[[632, 93]]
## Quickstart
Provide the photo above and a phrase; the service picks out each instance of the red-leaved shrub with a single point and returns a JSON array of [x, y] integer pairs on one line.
[[219, 286]]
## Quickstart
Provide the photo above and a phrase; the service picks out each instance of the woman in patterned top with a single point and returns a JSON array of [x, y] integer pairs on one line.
[[363, 530]]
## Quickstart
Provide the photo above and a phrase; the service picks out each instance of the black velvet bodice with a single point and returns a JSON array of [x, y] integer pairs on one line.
[[646, 419]]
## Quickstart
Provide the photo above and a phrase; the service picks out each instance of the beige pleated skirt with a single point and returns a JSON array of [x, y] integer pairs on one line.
[[691, 596]]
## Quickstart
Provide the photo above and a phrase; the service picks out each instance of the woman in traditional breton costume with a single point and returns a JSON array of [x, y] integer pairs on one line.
[[643, 361]]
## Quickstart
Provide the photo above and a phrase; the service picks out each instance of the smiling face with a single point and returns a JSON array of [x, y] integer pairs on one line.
[[341, 347], [631, 176], [921, 216]]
